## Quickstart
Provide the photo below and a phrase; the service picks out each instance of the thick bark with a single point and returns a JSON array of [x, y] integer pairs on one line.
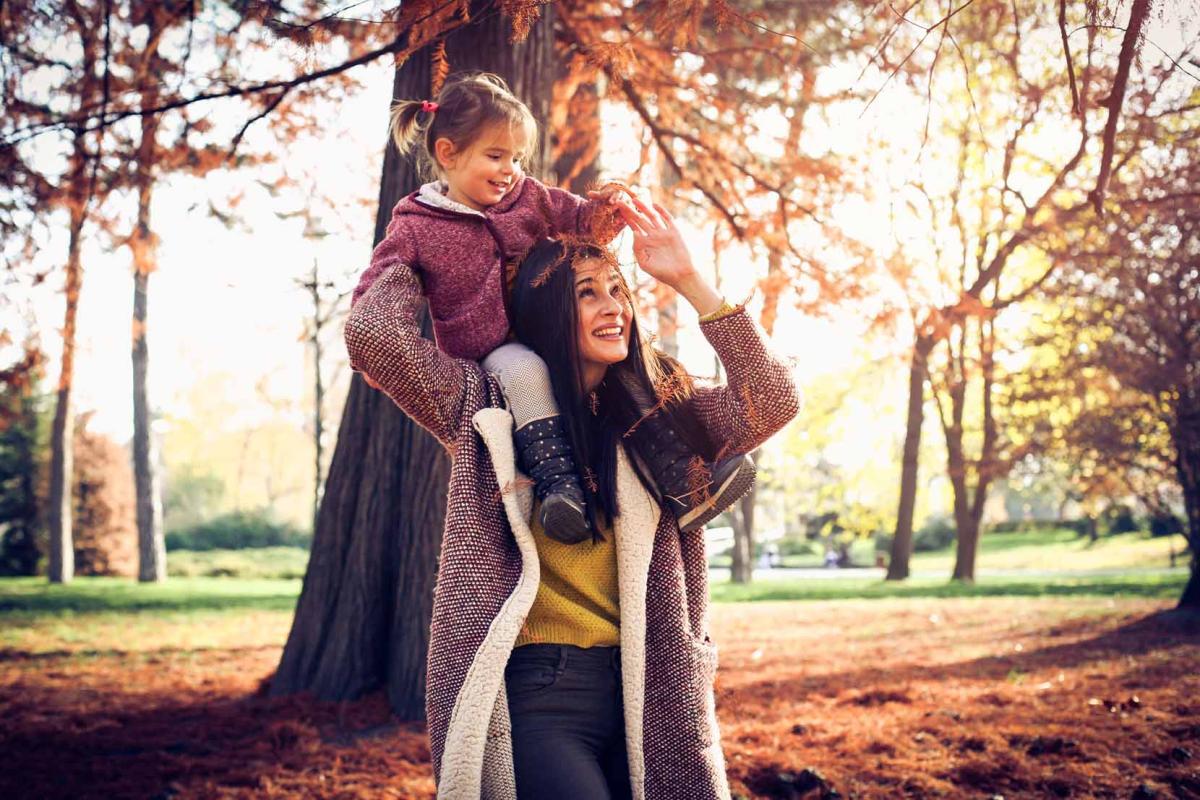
[[152, 553], [902, 539], [362, 620]]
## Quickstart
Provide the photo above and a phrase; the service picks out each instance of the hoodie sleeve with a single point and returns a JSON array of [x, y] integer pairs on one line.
[[570, 214], [397, 246]]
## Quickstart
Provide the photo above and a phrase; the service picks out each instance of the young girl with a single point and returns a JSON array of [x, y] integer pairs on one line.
[[464, 234]]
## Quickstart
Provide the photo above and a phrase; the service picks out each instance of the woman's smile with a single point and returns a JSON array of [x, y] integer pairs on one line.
[[604, 316]]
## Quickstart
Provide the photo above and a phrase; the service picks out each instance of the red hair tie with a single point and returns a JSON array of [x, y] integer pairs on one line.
[[428, 106]]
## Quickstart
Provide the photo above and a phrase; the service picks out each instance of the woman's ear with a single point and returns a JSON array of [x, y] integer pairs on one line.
[[445, 152]]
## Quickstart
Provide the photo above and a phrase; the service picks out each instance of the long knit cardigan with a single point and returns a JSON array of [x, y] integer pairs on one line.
[[488, 570]]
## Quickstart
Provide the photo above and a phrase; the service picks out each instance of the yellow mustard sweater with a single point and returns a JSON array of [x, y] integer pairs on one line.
[[577, 600]]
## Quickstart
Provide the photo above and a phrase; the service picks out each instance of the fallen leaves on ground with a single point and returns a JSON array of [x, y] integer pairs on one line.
[[997, 697]]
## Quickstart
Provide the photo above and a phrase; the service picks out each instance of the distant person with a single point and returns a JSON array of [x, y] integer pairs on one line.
[[458, 234], [573, 671]]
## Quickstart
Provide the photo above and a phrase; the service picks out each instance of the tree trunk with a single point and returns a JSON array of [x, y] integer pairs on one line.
[[742, 568], [966, 534], [362, 620], [902, 539], [1187, 464], [61, 567], [152, 552]]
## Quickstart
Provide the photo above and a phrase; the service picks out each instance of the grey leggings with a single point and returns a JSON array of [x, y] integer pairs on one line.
[[568, 722], [526, 382]]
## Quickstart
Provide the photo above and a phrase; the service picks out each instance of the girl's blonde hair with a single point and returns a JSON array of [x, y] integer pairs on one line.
[[468, 104]]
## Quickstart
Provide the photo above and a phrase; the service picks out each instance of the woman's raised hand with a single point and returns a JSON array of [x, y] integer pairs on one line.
[[657, 243], [661, 252]]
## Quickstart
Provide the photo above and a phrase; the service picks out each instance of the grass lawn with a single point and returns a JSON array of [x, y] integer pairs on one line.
[[1059, 549], [1164, 587]]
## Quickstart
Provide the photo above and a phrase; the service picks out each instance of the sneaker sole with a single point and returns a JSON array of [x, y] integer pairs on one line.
[[564, 523], [732, 489]]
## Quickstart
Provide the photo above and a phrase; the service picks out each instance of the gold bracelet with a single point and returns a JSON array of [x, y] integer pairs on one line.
[[724, 311]]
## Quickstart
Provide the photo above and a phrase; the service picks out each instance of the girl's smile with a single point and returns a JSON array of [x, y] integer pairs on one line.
[[485, 172]]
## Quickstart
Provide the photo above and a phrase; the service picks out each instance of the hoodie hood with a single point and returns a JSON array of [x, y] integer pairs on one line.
[[432, 199]]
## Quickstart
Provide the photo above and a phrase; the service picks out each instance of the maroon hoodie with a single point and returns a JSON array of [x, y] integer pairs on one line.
[[460, 254]]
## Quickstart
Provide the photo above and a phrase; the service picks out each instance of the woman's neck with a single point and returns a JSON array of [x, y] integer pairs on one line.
[[592, 376]]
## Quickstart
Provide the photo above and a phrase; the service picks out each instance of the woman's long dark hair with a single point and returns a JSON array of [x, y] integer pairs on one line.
[[546, 319]]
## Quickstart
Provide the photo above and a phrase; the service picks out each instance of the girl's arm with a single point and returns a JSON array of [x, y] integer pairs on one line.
[[597, 218], [383, 338], [760, 396]]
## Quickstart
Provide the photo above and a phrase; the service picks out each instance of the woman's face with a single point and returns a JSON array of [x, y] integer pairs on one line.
[[604, 319]]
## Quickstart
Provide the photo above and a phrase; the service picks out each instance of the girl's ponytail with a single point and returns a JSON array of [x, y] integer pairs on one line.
[[404, 123], [467, 104]]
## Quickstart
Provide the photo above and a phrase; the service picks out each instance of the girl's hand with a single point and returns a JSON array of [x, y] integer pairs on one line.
[[660, 251], [609, 193]]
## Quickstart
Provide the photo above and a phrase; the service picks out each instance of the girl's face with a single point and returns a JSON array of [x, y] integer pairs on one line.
[[482, 174], [604, 319]]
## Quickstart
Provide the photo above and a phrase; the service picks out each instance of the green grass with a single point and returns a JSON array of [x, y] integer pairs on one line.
[[1053, 549], [1062, 549], [258, 562], [127, 595], [94, 616], [1162, 587]]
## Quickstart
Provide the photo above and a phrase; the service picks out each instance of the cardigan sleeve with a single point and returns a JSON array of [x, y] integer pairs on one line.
[[760, 395], [384, 341]]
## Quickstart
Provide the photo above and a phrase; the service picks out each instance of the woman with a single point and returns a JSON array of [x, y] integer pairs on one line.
[[484, 734]]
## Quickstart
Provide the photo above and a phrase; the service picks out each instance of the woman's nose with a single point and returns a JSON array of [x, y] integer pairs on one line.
[[612, 306]]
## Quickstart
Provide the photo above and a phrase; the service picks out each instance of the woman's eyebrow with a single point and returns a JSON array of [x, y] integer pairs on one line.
[[583, 280]]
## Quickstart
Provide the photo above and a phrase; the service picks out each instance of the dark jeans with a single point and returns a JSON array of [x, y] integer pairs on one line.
[[568, 722]]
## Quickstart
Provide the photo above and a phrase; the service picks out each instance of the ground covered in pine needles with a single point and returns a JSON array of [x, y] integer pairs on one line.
[[957, 698]]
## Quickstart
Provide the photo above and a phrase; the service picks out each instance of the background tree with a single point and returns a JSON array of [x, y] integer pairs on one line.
[[980, 230], [1123, 327], [68, 47], [103, 505], [19, 461]]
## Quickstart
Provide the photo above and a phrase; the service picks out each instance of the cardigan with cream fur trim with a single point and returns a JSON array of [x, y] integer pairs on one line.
[[488, 569]]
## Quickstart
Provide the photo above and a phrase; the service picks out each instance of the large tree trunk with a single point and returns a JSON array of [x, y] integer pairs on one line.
[[152, 553], [902, 539], [362, 620]]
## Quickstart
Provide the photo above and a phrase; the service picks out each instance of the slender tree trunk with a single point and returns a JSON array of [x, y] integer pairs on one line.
[[152, 553], [362, 620], [902, 539], [742, 568], [61, 566], [318, 427]]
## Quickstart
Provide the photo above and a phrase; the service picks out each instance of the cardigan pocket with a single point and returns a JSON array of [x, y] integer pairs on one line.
[[700, 712], [704, 659]]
